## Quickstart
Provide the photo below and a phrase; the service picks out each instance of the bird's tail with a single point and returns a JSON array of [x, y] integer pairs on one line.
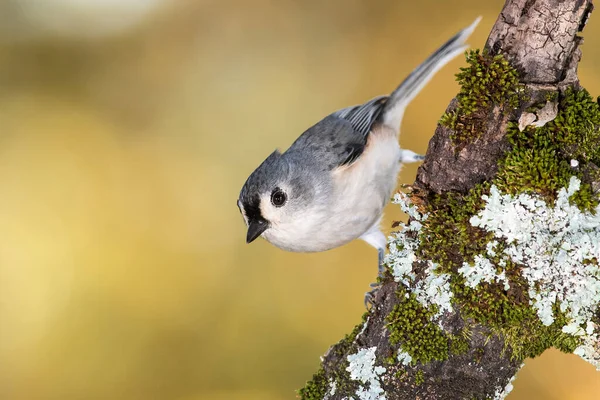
[[418, 78]]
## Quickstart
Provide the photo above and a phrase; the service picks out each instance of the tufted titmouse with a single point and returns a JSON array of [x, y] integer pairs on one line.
[[331, 185]]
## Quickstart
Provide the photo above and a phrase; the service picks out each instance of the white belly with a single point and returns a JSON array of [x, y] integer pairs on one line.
[[365, 187], [361, 191]]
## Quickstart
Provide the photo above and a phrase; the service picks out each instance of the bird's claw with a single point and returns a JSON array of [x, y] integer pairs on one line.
[[370, 298], [375, 286], [408, 156], [380, 267]]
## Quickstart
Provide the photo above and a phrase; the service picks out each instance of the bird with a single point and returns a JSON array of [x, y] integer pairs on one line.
[[331, 185]]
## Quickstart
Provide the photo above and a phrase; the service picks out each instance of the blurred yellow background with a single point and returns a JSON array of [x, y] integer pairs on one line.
[[126, 132]]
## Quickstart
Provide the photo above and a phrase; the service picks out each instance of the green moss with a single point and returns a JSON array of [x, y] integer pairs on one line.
[[577, 125], [458, 345], [539, 159], [531, 338], [419, 378], [410, 325], [400, 374], [316, 388], [551, 96], [478, 354], [486, 82], [344, 346], [448, 237], [319, 385]]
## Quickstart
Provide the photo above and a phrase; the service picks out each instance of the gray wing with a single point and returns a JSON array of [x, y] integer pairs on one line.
[[363, 116], [340, 138]]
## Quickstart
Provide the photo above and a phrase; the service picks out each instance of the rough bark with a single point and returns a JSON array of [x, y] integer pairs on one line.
[[538, 38]]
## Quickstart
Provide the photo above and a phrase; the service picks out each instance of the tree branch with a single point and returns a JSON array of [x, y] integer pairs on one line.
[[468, 296]]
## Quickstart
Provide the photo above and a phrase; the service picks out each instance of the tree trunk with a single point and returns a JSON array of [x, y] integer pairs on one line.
[[521, 125]]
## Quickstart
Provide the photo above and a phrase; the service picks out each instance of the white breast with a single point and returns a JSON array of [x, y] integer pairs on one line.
[[365, 187], [360, 193]]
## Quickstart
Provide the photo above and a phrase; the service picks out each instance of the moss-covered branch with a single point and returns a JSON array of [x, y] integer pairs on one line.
[[500, 260]]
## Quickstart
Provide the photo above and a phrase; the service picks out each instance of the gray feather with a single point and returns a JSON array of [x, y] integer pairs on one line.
[[331, 142], [362, 116], [411, 86], [340, 138], [272, 170]]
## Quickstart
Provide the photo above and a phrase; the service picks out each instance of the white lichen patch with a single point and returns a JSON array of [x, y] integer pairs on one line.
[[332, 387], [434, 288], [482, 269], [404, 358], [559, 247], [363, 329], [362, 368], [589, 350], [502, 392]]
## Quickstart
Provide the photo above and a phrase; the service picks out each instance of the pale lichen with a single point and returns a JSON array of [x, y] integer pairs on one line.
[[482, 269], [589, 349], [502, 392], [362, 368], [558, 246], [433, 289], [332, 387], [404, 358], [423, 294]]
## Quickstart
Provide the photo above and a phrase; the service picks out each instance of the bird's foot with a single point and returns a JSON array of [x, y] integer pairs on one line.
[[375, 286], [408, 156], [370, 297], [380, 265]]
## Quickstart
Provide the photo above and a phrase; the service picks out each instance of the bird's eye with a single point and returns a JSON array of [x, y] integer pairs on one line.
[[278, 197]]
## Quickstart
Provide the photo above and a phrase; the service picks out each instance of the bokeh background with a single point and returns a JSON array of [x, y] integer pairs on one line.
[[127, 129]]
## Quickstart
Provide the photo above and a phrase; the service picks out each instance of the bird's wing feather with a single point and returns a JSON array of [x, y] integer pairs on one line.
[[334, 141], [362, 116], [340, 138]]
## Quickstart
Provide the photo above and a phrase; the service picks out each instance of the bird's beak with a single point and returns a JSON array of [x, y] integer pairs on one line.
[[255, 228]]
